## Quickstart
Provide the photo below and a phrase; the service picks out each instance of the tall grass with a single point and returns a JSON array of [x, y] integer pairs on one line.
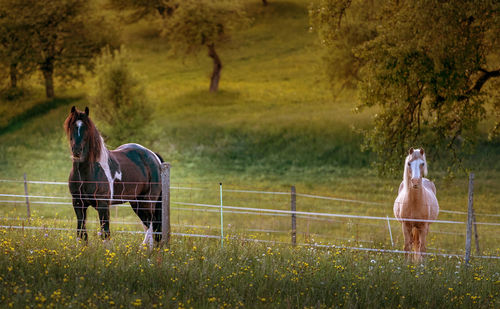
[[53, 270]]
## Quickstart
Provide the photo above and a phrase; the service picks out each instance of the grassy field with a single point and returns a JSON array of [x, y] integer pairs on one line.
[[52, 270], [273, 124]]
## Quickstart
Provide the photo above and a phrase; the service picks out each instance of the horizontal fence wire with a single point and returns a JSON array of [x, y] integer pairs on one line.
[[342, 247], [275, 211], [137, 223], [233, 191]]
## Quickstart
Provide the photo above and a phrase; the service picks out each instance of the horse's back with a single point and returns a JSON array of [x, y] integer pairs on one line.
[[132, 148], [140, 159]]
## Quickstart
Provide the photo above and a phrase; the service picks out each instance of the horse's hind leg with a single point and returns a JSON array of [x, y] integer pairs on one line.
[[143, 211], [157, 222]]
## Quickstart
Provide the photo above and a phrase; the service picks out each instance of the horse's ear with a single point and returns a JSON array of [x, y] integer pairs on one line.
[[86, 110], [73, 109], [422, 151], [411, 150]]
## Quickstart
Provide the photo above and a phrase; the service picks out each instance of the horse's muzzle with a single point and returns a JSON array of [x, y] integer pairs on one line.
[[77, 158], [416, 183]]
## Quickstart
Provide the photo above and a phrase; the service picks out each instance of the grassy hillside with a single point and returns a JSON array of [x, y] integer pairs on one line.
[[273, 115], [273, 124]]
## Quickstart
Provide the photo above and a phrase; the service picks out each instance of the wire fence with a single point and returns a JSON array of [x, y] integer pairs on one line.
[[272, 211], [102, 197], [316, 245], [258, 203]]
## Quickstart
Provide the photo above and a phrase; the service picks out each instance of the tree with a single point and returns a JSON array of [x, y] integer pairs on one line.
[[61, 35], [199, 24], [13, 49], [430, 66], [142, 8], [119, 97]]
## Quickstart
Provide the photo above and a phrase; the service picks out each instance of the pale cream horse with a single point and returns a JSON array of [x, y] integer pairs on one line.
[[416, 200]]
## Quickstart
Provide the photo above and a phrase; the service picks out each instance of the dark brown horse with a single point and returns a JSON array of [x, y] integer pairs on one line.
[[101, 177]]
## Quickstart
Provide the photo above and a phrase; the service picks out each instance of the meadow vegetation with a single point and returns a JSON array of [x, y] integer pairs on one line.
[[52, 270], [273, 123]]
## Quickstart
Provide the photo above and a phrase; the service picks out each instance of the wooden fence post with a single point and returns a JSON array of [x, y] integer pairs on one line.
[[468, 235], [26, 194], [476, 236], [293, 205], [165, 203]]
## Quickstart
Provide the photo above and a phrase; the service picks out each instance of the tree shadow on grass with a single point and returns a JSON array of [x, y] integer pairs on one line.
[[40, 109]]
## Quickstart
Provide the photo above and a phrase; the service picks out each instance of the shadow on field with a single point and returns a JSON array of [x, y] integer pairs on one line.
[[43, 108], [280, 149]]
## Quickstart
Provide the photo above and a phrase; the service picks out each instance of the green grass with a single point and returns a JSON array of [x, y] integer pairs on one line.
[[273, 124], [52, 270]]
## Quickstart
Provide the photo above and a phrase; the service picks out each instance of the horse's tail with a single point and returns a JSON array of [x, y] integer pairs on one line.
[[157, 217], [159, 157]]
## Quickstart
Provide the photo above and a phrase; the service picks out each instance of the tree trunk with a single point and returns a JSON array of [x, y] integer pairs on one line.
[[13, 75], [47, 69], [165, 10], [264, 2], [214, 80]]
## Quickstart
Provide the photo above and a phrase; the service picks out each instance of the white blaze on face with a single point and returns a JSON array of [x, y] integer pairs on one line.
[[415, 168], [79, 124]]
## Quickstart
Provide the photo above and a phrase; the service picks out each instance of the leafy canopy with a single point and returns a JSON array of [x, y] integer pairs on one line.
[[429, 66], [196, 24], [59, 36]]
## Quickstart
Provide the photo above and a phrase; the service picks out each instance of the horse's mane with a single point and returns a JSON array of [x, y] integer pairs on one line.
[[93, 137]]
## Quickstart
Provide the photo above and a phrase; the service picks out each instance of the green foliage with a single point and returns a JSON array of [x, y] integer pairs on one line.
[[59, 37], [425, 64], [119, 99], [142, 8], [199, 23], [15, 53], [342, 25], [196, 25]]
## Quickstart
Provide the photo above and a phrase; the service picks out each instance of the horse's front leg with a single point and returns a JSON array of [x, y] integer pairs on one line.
[[406, 226], [422, 235], [81, 217], [103, 211]]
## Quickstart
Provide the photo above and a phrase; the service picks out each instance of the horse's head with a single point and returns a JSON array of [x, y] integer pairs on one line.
[[416, 167], [84, 139]]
